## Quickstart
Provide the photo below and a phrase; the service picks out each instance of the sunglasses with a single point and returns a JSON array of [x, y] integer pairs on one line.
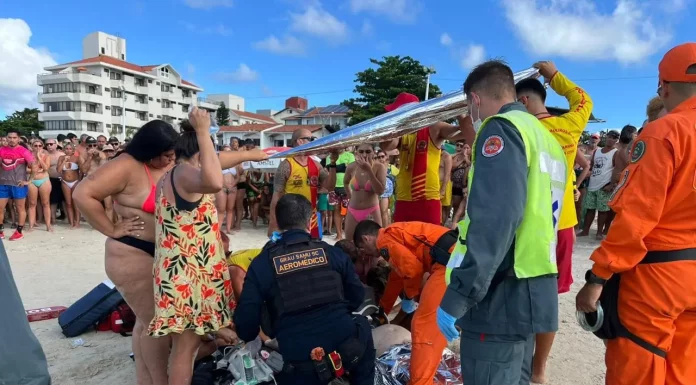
[[50, 144], [459, 145], [92, 145], [308, 138], [38, 145]]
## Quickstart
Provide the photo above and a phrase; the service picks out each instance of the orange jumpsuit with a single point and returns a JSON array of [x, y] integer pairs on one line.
[[408, 246], [655, 205]]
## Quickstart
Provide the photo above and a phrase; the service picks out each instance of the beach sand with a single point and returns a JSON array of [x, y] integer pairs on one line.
[[57, 269]]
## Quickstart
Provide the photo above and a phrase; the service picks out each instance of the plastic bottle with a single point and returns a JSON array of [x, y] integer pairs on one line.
[[214, 128]]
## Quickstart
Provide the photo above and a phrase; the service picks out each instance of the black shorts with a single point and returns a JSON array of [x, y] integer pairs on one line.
[[56, 191], [457, 192]]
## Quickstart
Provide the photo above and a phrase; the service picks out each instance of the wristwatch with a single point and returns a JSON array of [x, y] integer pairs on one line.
[[590, 277]]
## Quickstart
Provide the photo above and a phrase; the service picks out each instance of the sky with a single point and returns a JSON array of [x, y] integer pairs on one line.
[[269, 50]]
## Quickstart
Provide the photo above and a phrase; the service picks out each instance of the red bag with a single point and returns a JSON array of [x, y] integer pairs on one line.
[[122, 320]]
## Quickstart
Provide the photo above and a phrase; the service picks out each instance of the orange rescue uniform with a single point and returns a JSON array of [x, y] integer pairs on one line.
[[408, 246], [655, 205]]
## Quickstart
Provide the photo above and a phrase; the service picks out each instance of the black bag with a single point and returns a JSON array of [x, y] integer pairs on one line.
[[90, 309], [612, 327]]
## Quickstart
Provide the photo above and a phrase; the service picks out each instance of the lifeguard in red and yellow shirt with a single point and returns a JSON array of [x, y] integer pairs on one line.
[[651, 245], [418, 183]]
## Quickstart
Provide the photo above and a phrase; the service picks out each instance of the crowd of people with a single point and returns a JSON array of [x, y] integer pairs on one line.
[[516, 188]]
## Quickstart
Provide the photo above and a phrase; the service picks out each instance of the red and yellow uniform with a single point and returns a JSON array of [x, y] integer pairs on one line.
[[655, 205], [304, 180], [567, 129], [418, 181], [408, 246]]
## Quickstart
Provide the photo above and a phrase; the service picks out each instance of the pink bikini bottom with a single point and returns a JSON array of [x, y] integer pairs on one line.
[[362, 214]]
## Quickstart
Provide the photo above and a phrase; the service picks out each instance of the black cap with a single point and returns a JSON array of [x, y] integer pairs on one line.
[[614, 134], [90, 140], [113, 139]]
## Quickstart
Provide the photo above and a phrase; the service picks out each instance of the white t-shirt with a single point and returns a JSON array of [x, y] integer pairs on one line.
[[602, 168]]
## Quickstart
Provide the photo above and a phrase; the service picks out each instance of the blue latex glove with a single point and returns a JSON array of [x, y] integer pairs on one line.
[[409, 305], [446, 324], [275, 237]]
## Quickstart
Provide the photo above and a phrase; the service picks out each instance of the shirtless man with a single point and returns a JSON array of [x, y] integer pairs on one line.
[[90, 160], [54, 177], [445, 184], [621, 160]]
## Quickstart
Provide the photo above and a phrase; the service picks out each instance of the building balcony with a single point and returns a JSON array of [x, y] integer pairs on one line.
[[72, 115], [68, 77], [70, 97]]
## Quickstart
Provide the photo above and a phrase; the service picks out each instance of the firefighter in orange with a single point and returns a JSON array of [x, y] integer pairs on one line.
[[651, 244], [413, 249]]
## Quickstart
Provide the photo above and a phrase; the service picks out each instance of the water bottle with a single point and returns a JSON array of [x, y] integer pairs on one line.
[[213, 123]]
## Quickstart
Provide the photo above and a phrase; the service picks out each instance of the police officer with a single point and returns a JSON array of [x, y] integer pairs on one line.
[[502, 273], [309, 289]]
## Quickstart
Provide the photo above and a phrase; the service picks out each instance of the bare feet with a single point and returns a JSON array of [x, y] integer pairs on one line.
[[538, 379], [49, 229]]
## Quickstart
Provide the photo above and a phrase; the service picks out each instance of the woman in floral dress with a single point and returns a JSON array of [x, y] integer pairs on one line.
[[192, 282]]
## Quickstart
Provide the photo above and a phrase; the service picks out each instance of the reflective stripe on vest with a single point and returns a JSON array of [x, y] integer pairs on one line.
[[535, 238]]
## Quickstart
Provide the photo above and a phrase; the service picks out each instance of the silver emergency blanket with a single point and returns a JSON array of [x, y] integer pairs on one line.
[[405, 120], [392, 367]]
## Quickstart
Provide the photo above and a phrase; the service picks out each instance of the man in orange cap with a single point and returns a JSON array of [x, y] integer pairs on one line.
[[418, 182], [413, 249], [651, 244]]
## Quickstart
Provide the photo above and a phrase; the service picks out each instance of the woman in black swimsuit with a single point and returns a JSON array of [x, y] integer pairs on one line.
[[130, 180]]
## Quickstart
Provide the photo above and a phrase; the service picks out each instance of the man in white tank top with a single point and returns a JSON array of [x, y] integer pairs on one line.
[[600, 187]]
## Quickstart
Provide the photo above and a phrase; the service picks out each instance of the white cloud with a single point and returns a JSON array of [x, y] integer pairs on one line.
[[218, 29], [578, 30], [397, 10], [473, 55], [288, 45], [208, 4], [266, 91], [316, 21], [445, 39], [20, 64], [241, 75], [367, 28], [190, 70]]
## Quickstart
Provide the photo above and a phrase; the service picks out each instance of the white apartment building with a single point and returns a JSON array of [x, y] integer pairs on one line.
[[233, 102], [103, 94]]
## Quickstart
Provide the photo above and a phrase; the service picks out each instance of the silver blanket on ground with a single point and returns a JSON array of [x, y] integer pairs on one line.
[[405, 120], [392, 367]]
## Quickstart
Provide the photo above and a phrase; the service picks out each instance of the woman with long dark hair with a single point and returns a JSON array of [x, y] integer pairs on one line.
[[192, 287], [131, 180]]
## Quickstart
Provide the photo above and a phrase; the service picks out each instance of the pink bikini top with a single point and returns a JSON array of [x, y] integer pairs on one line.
[[149, 204], [355, 186]]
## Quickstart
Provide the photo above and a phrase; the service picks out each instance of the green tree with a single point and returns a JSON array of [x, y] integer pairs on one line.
[[222, 115], [585, 137], [25, 121], [379, 86], [130, 131]]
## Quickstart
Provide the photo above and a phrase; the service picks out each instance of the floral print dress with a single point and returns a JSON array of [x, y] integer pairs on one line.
[[192, 283]]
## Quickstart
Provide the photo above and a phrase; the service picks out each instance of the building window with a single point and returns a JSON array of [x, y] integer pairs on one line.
[[61, 106], [103, 51], [116, 94], [115, 75], [140, 82], [61, 87], [92, 90], [91, 126], [166, 87], [108, 125], [164, 72], [142, 116], [116, 111], [166, 104], [140, 99], [91, 108], [62, 124], [186, 93], [123, 57]]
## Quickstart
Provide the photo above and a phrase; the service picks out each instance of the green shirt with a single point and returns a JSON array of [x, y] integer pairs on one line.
[[346, 158]]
